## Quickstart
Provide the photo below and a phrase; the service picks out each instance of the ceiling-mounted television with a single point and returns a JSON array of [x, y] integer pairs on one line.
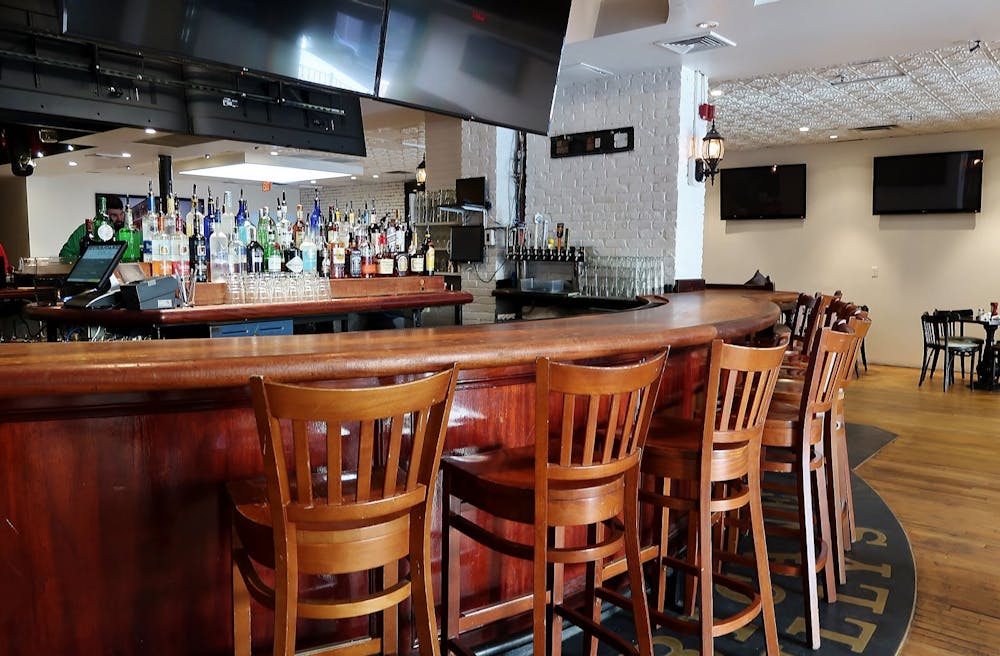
[[763, 192], [333, 43], [488, 60], [931, 183]]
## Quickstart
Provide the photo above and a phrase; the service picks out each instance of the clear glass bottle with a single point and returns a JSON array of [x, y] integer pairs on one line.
[[180, 256], [218, 249], [198, 253], [161, 247]]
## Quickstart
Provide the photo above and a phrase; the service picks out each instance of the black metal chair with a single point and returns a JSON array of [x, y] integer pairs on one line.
[[937, 339]]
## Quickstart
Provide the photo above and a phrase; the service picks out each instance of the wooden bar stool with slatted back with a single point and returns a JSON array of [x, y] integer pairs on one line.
[[793, 442], [361, 505], [710, 466], [583, 471]]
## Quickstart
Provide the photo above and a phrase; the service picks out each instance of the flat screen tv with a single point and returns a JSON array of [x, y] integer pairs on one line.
[[333, 43], [931, 183], [493, 61], [763, 192]]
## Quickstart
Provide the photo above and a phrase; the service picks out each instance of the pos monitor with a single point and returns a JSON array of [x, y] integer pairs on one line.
[[90, 277]]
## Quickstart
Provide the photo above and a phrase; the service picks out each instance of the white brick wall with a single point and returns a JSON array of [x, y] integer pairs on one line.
[[621, 203], [479, 158], [387, 196]]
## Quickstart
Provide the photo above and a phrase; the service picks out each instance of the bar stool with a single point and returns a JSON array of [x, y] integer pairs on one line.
[[361, 506], [711, 466], [793, 443], [583, 471]]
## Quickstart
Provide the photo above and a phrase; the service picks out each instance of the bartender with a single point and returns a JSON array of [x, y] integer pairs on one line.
[[116, 212]]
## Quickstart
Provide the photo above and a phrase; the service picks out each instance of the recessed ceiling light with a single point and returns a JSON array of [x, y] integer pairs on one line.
[[150, 130], [716, 93], [312, 182], [126, 155], [69, 147], [833, 136], [71, 163], [375, 175], [39, 154], [128, 168], [274, 152], [354, 177], [804, 128], [708, 25]]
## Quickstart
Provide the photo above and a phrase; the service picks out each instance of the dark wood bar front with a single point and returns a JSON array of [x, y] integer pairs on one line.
[[114, 538]]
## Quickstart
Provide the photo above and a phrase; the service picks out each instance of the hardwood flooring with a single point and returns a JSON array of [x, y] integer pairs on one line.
[[941, 477]]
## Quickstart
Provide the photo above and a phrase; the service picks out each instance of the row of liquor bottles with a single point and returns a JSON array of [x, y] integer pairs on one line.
[[219, 242]]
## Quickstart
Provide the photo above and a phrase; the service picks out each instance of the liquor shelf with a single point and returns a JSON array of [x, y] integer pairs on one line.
[[115, 456]]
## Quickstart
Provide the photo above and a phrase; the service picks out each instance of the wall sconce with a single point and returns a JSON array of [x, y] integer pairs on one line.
[[713, 148], [422, 171]]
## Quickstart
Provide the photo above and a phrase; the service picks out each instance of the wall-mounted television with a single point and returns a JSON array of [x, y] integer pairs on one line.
[[763, 192], [494, 62], [931, 183], [334, 43]]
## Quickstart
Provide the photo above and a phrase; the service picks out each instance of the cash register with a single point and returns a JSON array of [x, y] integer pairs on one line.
[[91, 283]]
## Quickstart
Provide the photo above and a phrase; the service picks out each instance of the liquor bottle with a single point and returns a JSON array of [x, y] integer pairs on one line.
[[194, 215], [283, 228], [254, 252], [228, 217], [308, 249], [323, 264], [416, 260], [218, 249], [211, 207], [338, 258], [128, 234], [237, 254], [369, 268], [168, 223], [351, 218], [402, 263], [332, 225], [273, 257], [386, 259], [354, 260], [148, 226], [161, 247], [240, 220], [316, 217], [180, 256], [198, 252], [104, 229], [428, 253], [299, 228]]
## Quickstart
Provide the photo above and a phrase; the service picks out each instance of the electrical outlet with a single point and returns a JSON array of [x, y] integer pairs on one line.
[[490, 238], [874, 272]]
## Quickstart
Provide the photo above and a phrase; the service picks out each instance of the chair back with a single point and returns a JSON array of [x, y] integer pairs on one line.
[[740, 383], [859, 323], [825, 374], [930, 326], [349, 459], [601, 418], [817, 317]]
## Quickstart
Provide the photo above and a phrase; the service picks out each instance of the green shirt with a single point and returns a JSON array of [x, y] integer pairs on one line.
[[71, 249]]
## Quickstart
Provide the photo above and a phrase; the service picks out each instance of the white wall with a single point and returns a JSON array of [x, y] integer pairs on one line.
[[58, 204], [924, 262]]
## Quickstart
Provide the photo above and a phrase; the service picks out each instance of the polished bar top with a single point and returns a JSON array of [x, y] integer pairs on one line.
[[109, 367]]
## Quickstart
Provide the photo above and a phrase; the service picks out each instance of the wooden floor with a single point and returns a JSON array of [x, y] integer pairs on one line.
[[941, 478]]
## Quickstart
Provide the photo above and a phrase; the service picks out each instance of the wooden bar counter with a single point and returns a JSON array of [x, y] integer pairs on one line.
[[113, 531]]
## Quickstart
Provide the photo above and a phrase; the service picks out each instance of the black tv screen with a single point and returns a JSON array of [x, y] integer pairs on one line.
[[493, 61], [763, 192], [931, 183], [333, 43]]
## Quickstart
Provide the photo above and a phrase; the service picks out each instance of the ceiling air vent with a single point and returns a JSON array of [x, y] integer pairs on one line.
[[877, 128], [689, 45]]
